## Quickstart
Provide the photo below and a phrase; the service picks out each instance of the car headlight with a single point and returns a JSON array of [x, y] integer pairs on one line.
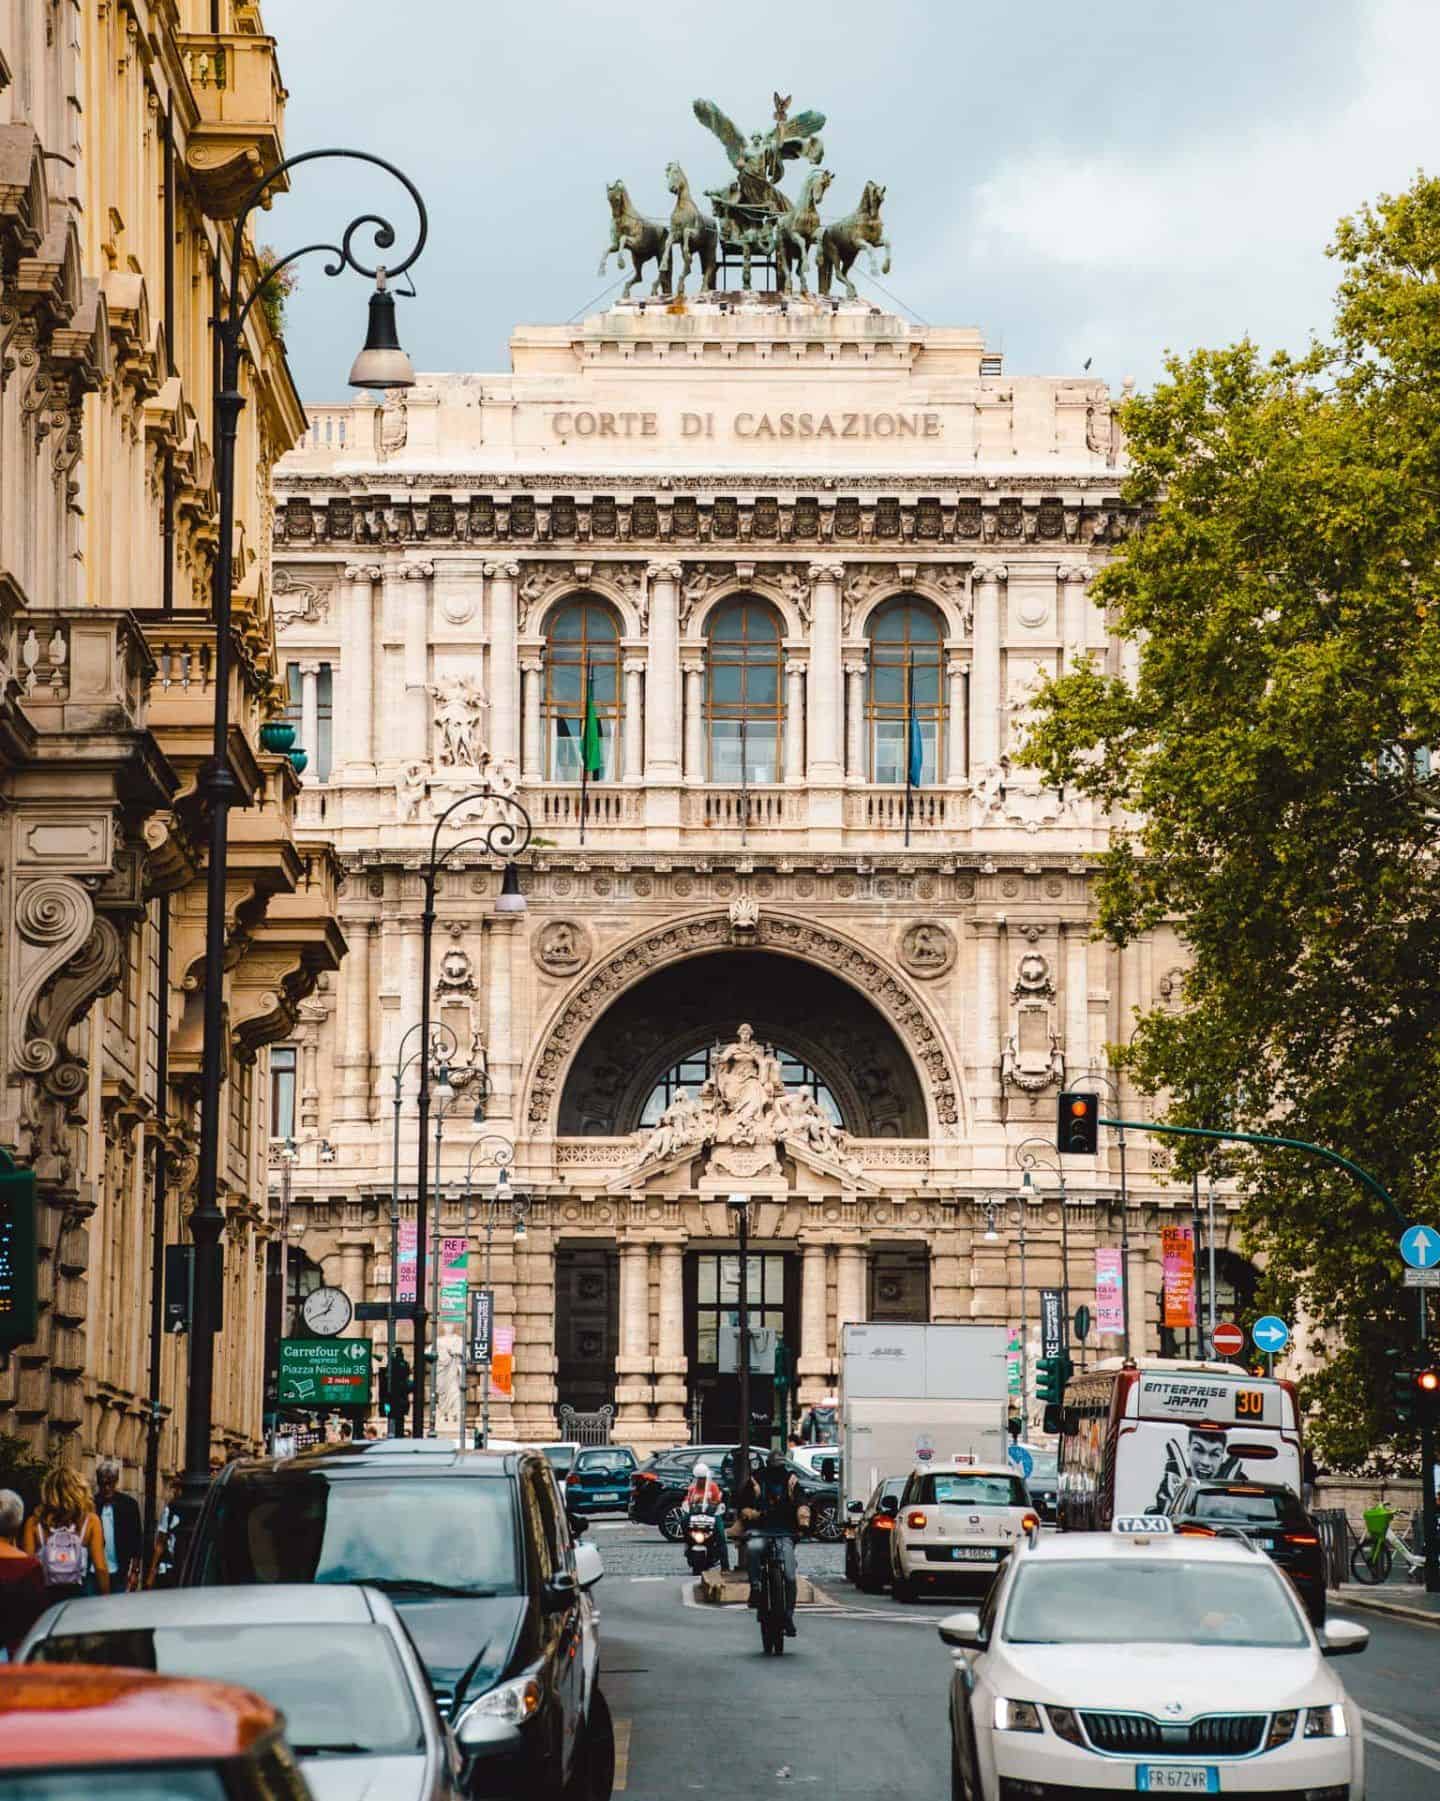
[[1326, 1722], [511, 1703], [1016, 1716], [1065, 1723], [1282, 1729]]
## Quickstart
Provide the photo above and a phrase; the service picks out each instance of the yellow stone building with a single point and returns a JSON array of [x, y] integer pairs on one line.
[[129, 134]]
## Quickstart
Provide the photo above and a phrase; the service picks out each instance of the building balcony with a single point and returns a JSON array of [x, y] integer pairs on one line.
[[882, 811], [296, 942], [182, 696], [235, 81]]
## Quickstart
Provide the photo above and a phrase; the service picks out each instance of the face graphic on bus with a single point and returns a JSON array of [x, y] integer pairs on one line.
[[1207, 1453]]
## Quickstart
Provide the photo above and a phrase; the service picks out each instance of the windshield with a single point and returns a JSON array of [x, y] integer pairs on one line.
[[1044, 1468], [1252, 1509], [1152, 1603], [133, 1782], [971, 1491], [604, 1463], [456, 1534], [561, 1456], [340, 1689]]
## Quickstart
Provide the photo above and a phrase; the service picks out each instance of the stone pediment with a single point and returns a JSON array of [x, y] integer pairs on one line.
[[826, 1172]]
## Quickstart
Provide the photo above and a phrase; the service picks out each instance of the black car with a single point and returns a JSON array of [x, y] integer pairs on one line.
[[1043, 1482], [658, 1487], [479, 1557], [867, 1536], [599, 1480], [1271, 1517]]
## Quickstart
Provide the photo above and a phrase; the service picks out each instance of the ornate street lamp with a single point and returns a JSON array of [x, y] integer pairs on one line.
[[444, 1044], [495, 1149], [507, 837], [1094, 1075], [1029, 1158], [379, 365]]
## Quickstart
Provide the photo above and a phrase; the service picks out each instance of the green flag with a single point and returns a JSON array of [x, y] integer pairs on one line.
[[592, 749]]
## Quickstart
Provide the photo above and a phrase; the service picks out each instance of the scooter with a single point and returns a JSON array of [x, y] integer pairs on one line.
[[702, 1538]]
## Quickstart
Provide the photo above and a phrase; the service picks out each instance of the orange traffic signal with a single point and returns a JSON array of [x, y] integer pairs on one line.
[[1078, 1125]]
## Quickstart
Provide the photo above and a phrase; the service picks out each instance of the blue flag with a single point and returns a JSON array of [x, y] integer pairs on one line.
[[915, 748]]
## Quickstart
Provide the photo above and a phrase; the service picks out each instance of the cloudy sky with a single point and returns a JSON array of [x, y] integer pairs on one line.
[[1103, 182]]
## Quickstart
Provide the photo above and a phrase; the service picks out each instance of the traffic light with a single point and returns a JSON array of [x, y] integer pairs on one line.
[[396, 1386], [1404, 1394], [1427, 1394], [1051, 1375], [1077, 1132]]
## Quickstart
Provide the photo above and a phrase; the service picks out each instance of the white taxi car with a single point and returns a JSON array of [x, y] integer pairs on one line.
[[956, 1525], [1140, 1661]]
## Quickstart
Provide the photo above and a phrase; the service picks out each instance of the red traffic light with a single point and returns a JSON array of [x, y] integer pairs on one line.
[[1078, 1125], [1428, 1381]]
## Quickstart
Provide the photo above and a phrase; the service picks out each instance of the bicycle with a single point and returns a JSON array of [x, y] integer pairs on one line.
[[1373, 1558], [772, 1610]]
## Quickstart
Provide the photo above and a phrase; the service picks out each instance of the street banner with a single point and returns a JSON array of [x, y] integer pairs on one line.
[[1109, 1294], [454, 1278], [502, 1364], [1052, 1322], [1177, 1265], [1012, 1361], [405, 1270], [482, 1325]]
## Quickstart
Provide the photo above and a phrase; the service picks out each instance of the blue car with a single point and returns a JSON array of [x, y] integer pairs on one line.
[[599, 1480]]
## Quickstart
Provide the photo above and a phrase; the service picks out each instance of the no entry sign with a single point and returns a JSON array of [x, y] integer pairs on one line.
[[1227, 1340]]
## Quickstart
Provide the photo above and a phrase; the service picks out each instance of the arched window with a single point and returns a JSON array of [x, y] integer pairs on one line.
[[692, 1072], [583, 643], [742, 693], [906, 655]]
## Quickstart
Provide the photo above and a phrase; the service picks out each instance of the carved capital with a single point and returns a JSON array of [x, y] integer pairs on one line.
[[418, 572], [795, 667], [826, 572], [532, 665], [855, 666], [634, 665], [664, 572], [991, 572], [506, 572], [311, 666]]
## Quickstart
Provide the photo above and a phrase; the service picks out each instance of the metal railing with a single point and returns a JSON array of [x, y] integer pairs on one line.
[[586, 1428]]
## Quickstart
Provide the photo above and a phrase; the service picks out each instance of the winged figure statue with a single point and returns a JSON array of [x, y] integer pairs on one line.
[[759, 160]]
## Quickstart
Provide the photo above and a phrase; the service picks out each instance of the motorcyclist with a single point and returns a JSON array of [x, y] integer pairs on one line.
[[704, 1496], [773, 1507]]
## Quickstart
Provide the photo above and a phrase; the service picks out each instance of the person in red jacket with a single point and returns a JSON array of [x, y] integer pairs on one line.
[[704, 1496]]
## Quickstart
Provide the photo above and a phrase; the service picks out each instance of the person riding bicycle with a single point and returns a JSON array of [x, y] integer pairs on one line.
[[773, 1510]]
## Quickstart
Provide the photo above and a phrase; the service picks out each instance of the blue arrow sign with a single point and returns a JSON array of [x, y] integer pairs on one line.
[[1271, 1334], [1022, 1460], [1420, 1247]]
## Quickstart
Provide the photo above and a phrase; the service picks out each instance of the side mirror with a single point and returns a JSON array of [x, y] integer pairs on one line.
[[589, 1566], [856, 1507], [559, 1592], [1343, 1638], [578, 1524], [961, 1631], [890, 1504]]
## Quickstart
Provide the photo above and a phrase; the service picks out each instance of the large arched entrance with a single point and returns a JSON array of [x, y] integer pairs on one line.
[[663, 1030]]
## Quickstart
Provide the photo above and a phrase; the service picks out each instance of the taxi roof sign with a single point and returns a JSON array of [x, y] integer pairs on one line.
[[1142, 1525]]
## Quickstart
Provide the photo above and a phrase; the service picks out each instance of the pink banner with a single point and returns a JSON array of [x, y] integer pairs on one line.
[[502, 1364], [1177, 1265], [1109, 1294], [405, 1272]]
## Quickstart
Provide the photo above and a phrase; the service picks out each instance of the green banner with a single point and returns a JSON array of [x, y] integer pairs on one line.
[[324, 1372]]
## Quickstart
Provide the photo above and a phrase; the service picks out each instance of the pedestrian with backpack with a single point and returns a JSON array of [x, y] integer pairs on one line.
[[64, 1533]]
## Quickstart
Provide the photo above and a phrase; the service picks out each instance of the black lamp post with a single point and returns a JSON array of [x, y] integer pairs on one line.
[[1028, 1156], [508, 837], [739, 1205], [382, 364]]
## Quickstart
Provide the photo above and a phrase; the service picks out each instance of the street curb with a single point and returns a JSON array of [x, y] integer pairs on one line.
[[713, 1591], [1393, 1610]]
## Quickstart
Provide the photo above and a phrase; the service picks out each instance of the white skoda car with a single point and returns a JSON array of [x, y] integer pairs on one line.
[[1140, 1662], [956, 1525]]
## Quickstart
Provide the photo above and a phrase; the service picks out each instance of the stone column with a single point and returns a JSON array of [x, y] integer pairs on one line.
[[353, 1058], [504, 712], [501, 931], [354, 687], [814, 1365], [825, 696], [662, 710], [531, 675], [795, 720], [956, 670], [670, 1361], [1077, 996], [633, 742], [417, 663], [856, 769], [352, 1267], [850, 1298], [310, 714], [986, 1049], [695, 714], [634, 1366], [985, 670]]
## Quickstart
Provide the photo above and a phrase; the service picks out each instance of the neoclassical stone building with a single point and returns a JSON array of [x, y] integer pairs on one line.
[[785, 549]]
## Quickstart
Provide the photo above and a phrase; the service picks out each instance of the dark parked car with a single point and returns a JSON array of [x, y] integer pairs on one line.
[[657, 1489], [867, 1536], [481, 1561], [1043, 1482], [599, 1481], [1271, 1516]]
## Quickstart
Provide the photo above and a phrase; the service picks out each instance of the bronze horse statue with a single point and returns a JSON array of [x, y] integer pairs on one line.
[[843, 241], [691, 232], [798, 227], [645, 239]]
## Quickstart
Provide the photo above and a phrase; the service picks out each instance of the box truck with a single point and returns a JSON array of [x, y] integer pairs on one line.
[[919, 1394]]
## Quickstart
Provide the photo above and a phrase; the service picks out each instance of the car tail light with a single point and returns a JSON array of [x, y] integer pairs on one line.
[[643, 1476], [1194, 1532], [1030, 1523], [883, 1522], [572, 1478], [917, 1521], [1301, 1538]]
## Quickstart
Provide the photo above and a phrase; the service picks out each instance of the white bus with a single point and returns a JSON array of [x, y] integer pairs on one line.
[[1133, 1431]]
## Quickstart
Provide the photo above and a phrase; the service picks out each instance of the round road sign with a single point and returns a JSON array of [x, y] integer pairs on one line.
[[1227, 1340]]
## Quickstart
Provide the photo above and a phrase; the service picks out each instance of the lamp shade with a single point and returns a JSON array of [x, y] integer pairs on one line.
[[510, 899], [382, 363]]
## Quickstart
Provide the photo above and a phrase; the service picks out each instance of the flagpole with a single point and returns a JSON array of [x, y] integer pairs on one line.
[[584, 751], [909, 726]]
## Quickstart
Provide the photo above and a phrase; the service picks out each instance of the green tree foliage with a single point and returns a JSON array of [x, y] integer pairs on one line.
[[1272, 770]]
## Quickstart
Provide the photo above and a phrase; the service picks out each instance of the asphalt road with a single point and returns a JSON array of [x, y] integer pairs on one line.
[[857, 1705]]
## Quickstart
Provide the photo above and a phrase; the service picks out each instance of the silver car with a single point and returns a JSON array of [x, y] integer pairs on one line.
[[332, 1657]]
